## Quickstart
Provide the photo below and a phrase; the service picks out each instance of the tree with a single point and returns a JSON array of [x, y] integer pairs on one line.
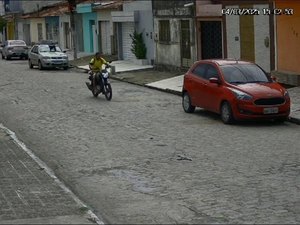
[[138, 46]]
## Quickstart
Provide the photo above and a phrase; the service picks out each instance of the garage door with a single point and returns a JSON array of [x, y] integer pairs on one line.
[[127, 29]]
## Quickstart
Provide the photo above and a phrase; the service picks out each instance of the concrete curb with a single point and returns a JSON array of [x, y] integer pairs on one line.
[[294, 120], [164, 90]]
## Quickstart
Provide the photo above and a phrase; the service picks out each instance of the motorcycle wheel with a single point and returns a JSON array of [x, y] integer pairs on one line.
[[108, 92], [95, 92]]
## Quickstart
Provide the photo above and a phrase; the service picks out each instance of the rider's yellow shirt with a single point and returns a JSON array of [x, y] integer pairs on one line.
[[96, 64]]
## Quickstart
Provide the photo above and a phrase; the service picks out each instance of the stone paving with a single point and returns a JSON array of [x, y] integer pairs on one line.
[[172, 82], [28, 192]]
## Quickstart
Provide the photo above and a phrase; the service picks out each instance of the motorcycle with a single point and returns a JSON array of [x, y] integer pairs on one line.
[[100, 83]]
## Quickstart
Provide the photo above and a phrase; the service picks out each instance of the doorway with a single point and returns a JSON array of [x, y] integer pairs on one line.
[[67, 35], [93, 34], [211, 40]]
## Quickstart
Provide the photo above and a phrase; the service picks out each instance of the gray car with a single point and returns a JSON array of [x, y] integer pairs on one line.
[[14, 48], [47, 56]]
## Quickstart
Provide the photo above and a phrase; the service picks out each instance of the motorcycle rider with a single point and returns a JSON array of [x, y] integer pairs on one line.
[[95, 65]]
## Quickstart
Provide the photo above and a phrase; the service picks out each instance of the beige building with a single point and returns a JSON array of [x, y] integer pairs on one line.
[[249, 37]]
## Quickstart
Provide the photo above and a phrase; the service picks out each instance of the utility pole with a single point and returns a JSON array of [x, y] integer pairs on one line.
[[72, 8]]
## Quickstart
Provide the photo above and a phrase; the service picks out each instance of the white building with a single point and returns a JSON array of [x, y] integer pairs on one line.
[[2, 11]]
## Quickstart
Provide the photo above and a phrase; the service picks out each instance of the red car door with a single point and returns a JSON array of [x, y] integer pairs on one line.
[[199, 85], [213, 91]]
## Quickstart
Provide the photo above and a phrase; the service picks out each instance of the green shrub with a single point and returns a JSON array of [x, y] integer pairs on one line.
[[138, 46]]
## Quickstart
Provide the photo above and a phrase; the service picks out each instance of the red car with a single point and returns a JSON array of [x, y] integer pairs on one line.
[[237, 90]]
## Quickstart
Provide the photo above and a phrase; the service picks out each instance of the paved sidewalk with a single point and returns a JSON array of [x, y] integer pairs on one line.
[[29, 191], [173, 84], [123, 66]]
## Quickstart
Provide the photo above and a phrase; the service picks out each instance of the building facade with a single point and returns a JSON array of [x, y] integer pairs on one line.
[[288, 36], [18, 27], [174, 33], [107, 29], [135, 16], [249, 37]]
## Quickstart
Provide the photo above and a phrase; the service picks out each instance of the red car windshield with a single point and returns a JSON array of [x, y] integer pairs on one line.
[[244, 73]]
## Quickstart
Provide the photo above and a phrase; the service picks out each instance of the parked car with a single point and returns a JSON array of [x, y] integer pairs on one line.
[[14, 48], [47, 56], [237, 90]]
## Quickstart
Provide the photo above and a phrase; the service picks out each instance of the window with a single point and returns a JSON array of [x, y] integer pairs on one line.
[[164, 31], [200, 70], [211, 72], [34, 50]]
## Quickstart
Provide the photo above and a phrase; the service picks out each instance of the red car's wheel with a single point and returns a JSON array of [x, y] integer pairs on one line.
[[187, 104], [226, 113]]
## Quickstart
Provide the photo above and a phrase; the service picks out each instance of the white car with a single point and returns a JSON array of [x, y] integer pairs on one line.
[[47, 56], [14, 48]]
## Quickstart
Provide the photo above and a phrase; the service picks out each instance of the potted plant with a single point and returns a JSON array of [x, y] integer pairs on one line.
[[138, 47]]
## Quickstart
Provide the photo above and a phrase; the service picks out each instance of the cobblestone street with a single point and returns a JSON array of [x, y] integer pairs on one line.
[[140, 158]]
